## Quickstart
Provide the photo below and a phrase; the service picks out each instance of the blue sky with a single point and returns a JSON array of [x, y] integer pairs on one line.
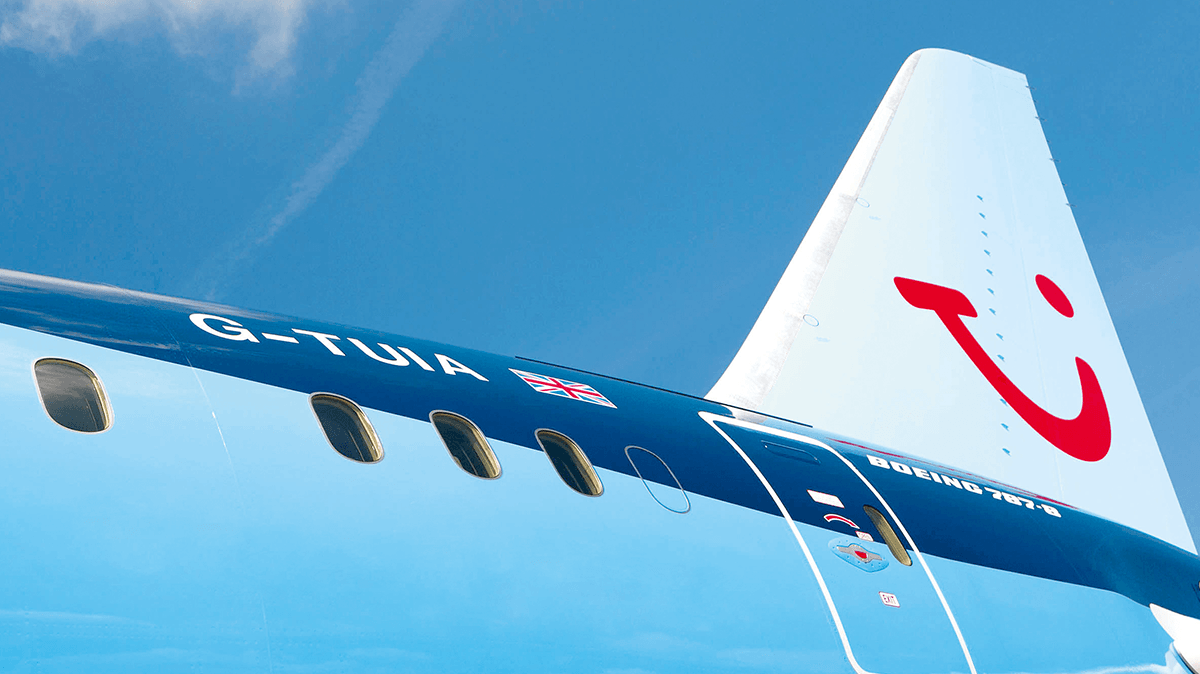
[[614, 186]]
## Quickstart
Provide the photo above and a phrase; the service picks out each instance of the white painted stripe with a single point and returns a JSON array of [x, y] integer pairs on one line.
[[280, 338], [812, 563], [826, 499]]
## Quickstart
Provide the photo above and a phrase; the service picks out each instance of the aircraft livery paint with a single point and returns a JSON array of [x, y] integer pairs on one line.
[[1086, 437], [212, 528]]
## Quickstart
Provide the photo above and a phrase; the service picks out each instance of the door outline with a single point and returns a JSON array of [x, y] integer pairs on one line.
[[712, 420]]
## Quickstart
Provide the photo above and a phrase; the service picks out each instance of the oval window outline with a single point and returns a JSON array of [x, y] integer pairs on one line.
[[480, 447], [646, 483], [352, 410], [589, 482], [101, 406]]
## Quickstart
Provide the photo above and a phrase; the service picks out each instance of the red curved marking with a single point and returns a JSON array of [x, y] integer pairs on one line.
[[1055, 296], [831, 517], [1087, 437]]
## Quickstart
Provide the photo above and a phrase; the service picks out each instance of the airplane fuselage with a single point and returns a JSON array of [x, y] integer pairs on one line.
[[213, 526]]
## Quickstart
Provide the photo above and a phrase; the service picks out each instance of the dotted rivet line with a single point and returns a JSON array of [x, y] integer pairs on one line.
[[992, 292]]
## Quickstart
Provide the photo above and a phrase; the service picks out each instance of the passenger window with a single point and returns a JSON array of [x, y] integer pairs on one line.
[[72, 395], [346, 428], [466, 444], [659, 479], [570, 462], [889, 536]]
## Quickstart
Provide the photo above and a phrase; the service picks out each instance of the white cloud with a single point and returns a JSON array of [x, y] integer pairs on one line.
[[60, 27], [419, 25]]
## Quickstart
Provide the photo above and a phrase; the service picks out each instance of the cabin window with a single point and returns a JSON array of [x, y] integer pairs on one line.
[[889, 536], [466, 444], [570, 462], [659, 479], [346, 428], [72, 395]]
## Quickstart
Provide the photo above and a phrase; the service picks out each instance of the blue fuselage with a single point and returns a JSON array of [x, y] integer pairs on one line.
[[213, 528]]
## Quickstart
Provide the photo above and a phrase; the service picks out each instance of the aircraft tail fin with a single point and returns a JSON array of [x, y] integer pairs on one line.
[[942, 303]]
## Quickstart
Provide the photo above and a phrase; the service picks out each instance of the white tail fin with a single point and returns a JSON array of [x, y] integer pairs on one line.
[[942, 304]]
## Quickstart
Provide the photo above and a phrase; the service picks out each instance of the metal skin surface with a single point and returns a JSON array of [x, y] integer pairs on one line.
[[944, 286], [212, 527]]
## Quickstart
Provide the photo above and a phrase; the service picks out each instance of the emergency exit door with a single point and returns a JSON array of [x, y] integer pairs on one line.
[[884, 602]]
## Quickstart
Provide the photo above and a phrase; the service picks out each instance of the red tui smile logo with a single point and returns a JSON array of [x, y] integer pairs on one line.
[[1088, 436]]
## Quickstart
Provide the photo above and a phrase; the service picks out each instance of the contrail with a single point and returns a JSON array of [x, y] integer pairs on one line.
[[413, 34]]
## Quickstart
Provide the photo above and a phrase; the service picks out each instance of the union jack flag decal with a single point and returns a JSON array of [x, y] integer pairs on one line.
[[561, 387]]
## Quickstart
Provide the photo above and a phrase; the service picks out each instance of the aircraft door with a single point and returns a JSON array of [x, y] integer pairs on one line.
[[883, 600]]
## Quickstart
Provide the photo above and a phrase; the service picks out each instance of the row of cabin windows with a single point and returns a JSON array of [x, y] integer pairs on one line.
[[74, 398], [350, 433]]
